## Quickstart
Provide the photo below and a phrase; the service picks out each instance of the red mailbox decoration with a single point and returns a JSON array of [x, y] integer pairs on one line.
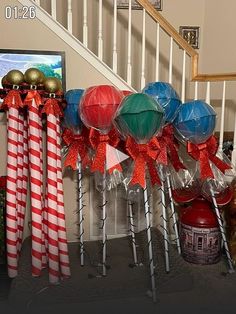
[[199, 233]]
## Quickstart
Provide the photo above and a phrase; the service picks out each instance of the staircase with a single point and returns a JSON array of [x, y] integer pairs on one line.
[[134, 47]]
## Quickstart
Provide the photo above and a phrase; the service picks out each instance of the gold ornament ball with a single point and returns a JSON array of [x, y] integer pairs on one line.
[[51, 84], [15, 77], [33, 76], [4, 81], [60, 84], [42, 78]]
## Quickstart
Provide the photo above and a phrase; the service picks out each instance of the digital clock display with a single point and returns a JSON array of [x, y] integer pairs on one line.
[[25, 12]]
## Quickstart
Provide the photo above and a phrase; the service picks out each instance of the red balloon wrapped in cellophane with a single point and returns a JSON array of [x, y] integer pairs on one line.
[[97, 109]]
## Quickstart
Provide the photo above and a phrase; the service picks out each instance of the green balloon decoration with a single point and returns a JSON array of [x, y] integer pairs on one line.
[[139, 116]]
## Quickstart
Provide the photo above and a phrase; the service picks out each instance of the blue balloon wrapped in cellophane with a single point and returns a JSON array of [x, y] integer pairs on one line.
[[71, 113], [166, 96], [195, 121]]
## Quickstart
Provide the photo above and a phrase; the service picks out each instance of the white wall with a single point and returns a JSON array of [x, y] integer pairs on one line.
[[219, 51]]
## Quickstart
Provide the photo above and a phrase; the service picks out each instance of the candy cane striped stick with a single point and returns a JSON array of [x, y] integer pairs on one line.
[[35, 185], [45, 226], [62, 239], [20, 166], [45, 220], [11, 201], [81, 215], [25, 168], [44, 252], [53, 251]]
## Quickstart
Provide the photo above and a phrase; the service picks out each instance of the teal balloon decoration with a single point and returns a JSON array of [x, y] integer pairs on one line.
[[140, 117]]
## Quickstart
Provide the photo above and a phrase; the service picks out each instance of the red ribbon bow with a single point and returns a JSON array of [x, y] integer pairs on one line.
[[12, 100], [169, 147], [98, 142], [144, 155], [77, 148], [32, 94], [205, 152], [51, 106]]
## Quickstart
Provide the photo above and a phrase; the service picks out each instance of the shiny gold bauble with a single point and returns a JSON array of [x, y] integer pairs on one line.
[[52, 84], [4, 81], [60, 84], [42, 78], [33, 76], [15, 77]]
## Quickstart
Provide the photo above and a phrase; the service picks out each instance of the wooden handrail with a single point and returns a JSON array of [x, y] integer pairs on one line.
[[171, 31]]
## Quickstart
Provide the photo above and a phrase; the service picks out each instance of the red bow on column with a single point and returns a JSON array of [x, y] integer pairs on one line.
[[144, 155], [12, 99], [51, 106], [77, 148], [98, 142], [32, 94], [169, 146], [205, 153]]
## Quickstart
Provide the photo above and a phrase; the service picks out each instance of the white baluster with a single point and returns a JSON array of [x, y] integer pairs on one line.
[[222, 119], [196, 91], [114, 59], [143, 80], [208, 93], [69, 15], [37, 2], [183, 77], [129, 67], [233, 157], [157, 52], [85, 23], [54, 9], [100, 38], [171, 60]]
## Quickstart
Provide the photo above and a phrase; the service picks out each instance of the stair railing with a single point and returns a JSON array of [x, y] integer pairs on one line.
[[182, 73]]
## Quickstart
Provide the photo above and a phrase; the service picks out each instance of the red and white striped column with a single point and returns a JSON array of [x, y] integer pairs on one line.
[[20, 166], [44, 222], [35, 187], [24, 175], [52, 220], [11, 195], [62, 238]]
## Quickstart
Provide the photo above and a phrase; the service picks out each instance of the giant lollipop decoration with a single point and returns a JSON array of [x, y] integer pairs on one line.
[[97, 109], [169, 100], [77, 157], [195, 123], [139, 118]]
